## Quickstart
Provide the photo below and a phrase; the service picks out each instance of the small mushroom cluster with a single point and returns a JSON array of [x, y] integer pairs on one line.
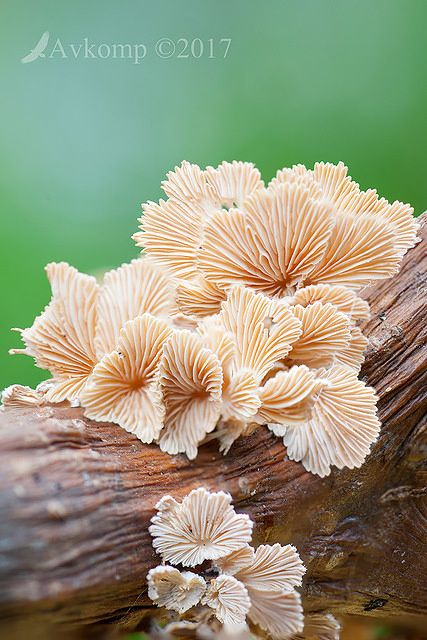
[[234, 581], [243, 312]]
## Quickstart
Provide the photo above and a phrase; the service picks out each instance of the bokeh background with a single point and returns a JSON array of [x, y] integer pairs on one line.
[[84, 141]]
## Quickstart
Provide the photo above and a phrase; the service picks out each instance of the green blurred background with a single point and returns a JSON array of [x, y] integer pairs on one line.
[[85, 141]]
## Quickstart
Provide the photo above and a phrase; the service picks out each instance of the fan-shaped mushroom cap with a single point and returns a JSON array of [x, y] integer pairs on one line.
[[297, 174], [263, 330], [270, 245], [274, 567], [335, 186], [234, 182], [400, 217], [121, 386], [351, 200], [278, 612], [216, 338], [352, 356], [361, 249], [363, 262], [190, 381], [172, 231], [201, 298], [17, 395], [171, 235], [240, 399], [342, 427], [236, 561], [325, 332], [230, 600], [62, 338], [342, 298], [344, 194], [189, 183], [204, 527], [128, 292], [283, 396], [319, 626], [226, 186], [170, 588]]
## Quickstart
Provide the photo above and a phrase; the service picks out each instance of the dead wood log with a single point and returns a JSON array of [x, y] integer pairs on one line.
[[76, 498]]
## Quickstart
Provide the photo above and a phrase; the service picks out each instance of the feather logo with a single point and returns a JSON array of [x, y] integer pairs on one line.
[[37, 52]]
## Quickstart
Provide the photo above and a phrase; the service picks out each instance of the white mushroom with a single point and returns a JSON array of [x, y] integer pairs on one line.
[[190, 381], [128, 292], [278, 612], [234, 182], [62, 338], [286, 397], [17, 395], [263, 330], [121, 388], [270, 245], [236, 561], [170, 588], [342, 427], [325, 332], [274, 567], [319, 626], [342, 298], [230, 600], [204, 527]]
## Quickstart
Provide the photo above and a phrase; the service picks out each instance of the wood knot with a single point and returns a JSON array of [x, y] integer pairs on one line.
[[375, 603]]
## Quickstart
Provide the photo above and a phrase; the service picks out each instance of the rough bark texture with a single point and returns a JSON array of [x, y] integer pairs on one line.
[[76, 498]]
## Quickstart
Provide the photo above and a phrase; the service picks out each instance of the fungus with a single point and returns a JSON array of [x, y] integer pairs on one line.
[[240, 399], [190, 381], [203, 527], [257, 296], [236, 561], [201, 298], [234, 182], [173, 229], [278, 236], [258, 348], [170, 588], [352, 356], [121, 388], [343, 299], [344, 195], [307, 227], [230, 599], [62, 338], [278, 612], [128, 292], [83, 320], [270, 575], [324, 333], [284, 397], [18, 395], [319, 626], [342, 426], [258, 585]]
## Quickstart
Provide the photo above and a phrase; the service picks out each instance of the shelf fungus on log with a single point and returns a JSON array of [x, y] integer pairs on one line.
[[77, 495]]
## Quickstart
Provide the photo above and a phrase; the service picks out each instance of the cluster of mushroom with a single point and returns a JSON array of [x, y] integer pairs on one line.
[[237, 584], [243, 312]]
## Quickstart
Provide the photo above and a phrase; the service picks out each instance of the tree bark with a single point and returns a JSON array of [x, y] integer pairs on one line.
[[76, 498]]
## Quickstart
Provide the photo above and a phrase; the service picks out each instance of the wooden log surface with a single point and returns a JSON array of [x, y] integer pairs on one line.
[[76, 498]]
